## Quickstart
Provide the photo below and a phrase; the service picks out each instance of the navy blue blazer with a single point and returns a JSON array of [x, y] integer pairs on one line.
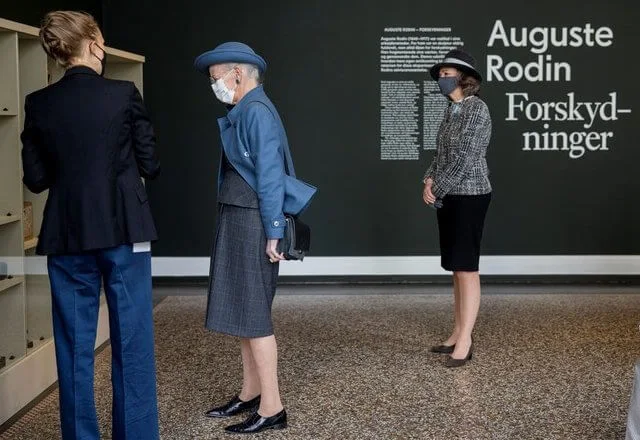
[[255, 143], [88, 140]]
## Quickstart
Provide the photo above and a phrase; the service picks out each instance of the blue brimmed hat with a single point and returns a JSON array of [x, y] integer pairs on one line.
[[231, 52]]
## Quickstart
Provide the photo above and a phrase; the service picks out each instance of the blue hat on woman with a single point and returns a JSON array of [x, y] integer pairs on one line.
[[231, 52]]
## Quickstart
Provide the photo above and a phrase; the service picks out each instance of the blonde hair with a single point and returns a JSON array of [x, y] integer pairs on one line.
[[63, 32]]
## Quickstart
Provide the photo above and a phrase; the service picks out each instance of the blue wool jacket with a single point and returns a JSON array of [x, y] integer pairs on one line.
[[255, 143]]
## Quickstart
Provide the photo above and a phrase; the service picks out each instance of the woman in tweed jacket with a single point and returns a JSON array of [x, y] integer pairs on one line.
[[457, 183]]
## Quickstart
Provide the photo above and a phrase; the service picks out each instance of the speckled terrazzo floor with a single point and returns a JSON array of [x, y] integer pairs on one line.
[[546, 366]]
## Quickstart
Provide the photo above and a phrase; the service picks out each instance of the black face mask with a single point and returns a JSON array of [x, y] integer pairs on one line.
[[103, 61]]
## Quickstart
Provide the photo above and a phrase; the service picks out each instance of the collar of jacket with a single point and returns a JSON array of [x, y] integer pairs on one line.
[[464, 100], [75, 70], [253, 95]]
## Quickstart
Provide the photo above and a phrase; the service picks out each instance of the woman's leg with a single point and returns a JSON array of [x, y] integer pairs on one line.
[[265, 356], [250, 379], [456, 308], [75, 291], [469, 304], [128, 289]]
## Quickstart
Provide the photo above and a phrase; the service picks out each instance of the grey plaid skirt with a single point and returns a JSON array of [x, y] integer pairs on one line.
[[242, 281]]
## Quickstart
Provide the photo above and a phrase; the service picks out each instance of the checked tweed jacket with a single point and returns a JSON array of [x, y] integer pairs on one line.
[[459, 166]]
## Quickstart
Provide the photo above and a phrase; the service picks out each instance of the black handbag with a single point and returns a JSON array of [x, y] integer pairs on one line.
[[297, 234], [297, 239]]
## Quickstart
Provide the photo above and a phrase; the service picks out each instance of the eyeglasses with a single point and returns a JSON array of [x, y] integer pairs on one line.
[[213, 80]]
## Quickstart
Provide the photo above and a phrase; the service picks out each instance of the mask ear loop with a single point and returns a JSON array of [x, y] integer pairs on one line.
[[104, 53]]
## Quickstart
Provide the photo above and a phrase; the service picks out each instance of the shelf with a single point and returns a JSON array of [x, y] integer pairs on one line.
[[9, 102], [10, 282], [7, 25], [38, 344], [121, 56], [13, 343], [31, 243], [38, 202], [126, 71], [32, 67], [10, 165], [39, 320], [6, 219]]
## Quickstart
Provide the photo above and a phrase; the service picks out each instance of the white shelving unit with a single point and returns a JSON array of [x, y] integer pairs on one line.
[[27, 356]]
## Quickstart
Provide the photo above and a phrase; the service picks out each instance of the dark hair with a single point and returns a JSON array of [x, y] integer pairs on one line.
[[469, 84], [63, 33]]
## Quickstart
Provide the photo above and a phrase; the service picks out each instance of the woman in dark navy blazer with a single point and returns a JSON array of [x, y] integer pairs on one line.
[[88, 140]]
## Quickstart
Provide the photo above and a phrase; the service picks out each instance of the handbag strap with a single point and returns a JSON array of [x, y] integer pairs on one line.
[[288, 160]]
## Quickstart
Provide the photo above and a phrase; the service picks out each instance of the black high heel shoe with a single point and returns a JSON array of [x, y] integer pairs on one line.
[[443, 349], [257, 423], [455, 363], [233, 407]]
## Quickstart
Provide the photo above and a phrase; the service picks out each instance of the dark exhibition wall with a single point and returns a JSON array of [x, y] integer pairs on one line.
[[32, 12], [325, 77], [349, 80]]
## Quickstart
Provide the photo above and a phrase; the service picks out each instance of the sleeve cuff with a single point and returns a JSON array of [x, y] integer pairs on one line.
[[436, 191], [276, 229]]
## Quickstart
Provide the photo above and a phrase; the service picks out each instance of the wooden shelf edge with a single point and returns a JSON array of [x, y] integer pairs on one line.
[[31, 243], [8, 25], [118, 55], [26, 30], [10, 282], [5, 220], [38, 345]]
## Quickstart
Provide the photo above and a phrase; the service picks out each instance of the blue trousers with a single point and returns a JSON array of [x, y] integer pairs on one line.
[[75, 287]]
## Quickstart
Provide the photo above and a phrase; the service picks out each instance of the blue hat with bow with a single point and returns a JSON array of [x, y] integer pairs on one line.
[[231, 52]]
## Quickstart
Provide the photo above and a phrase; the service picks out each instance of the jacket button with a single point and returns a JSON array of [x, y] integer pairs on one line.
[[276, 224], [246, 154]]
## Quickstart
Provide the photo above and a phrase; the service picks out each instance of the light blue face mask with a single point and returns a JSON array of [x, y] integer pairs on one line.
[[448, 84]]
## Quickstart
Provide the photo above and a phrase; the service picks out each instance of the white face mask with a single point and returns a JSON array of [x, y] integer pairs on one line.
[[222, 92]]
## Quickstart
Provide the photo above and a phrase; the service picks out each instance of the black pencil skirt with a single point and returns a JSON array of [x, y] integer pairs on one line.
[[460, 224]]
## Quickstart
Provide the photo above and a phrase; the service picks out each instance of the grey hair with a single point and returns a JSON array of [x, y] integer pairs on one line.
[[251, 70]]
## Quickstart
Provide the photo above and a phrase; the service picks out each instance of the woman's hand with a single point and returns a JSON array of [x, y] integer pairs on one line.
[[272, 251], [427, 195]]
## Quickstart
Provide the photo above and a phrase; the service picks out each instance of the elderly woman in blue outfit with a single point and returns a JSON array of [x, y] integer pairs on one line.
[[252, 187]]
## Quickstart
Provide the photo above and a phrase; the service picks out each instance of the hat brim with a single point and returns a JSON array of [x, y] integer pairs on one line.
[[435, 70], [212, 57]]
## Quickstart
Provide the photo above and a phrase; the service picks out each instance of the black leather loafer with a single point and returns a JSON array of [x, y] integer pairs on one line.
[[233, 407], [256, 423]]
